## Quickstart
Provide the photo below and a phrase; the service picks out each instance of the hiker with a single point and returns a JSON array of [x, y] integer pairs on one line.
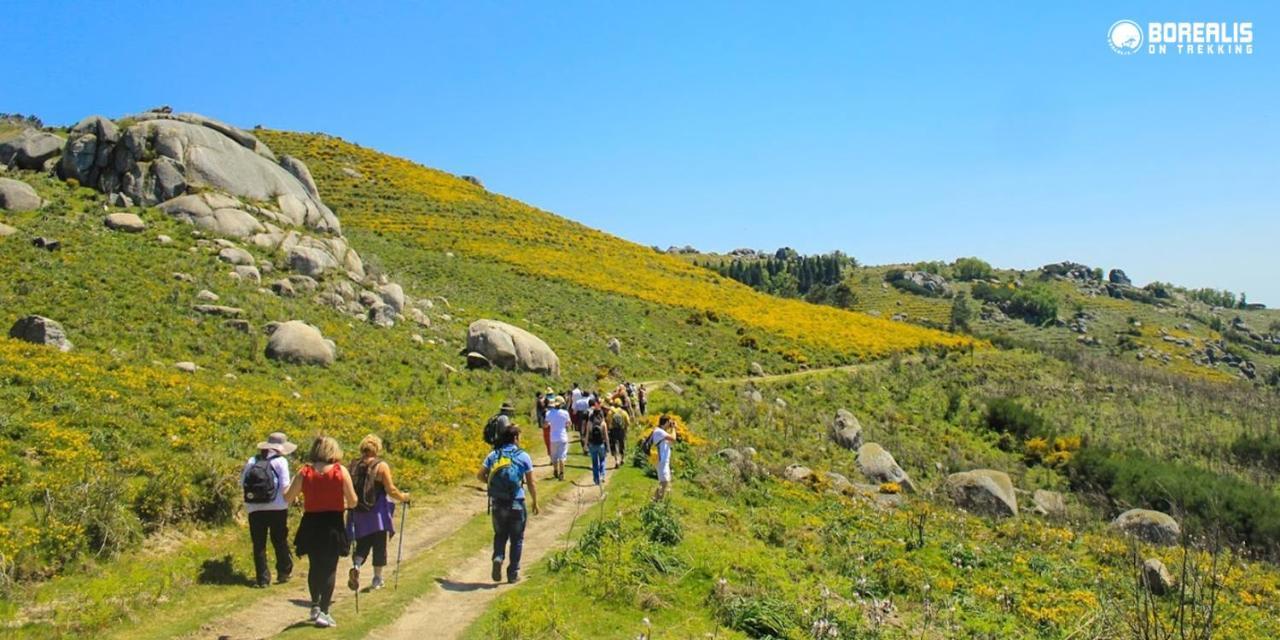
[[540, 408], [265, 478], [581, 413], [327, 493], [619, 421], [371, 523], [500, 421], [508, 471], [642, 399], [662, 438], [597, 444], [557, 425]]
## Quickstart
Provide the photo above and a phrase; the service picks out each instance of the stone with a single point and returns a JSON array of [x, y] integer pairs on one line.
[[755, 369], [163, 239], [18, 196], [40, 330], [6, 230], [476, 360], [417, 338], [673, 388], [48, 244], [615, 346], [299, 343], [217, 310], [215, 213], [236, 256], [393, 295], [419, 318], [242, 326], [509, 347], [1156, 577], [283, 288], [923, 282], [879, 466], [127, 222], [300, 171], [303, 283], [847, 431], [311, 261], [1151, 526], [983, 491], [797, 473], [31, 149], [839, 483], [189, 367], [1118, 276], [248, 273], [119, 200], [205, 295], [382, 315], [1049, 503]]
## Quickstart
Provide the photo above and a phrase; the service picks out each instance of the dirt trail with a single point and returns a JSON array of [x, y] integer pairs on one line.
[[467, 591], [280, 608]]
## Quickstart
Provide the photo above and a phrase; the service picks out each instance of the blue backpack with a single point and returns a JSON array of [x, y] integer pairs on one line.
[[505, 476]]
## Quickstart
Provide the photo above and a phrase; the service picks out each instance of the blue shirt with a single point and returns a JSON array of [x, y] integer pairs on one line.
[[521, 460]]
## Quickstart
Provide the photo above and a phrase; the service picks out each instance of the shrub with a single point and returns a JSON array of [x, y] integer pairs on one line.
[[1008, 416], [971, 269], [1036, 304], [1259, 451], [755, 614], [660, 523], [1245, 513]]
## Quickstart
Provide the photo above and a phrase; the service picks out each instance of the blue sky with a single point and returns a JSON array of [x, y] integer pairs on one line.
[[1010, 131]]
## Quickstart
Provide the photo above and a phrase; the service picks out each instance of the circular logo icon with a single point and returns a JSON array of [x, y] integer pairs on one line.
[[1125, 37]]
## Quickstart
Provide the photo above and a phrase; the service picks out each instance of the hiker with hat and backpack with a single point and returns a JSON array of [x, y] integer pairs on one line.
[[371, 522], [508, 473], [264, 479], [498, 423]]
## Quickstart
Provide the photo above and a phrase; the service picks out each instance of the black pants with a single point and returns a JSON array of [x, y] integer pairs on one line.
[[508, 528], [273, 525], [618, 442], [320, 579], [376, 541]]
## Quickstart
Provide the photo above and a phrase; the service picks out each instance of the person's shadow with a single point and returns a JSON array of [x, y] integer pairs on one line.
[[464, 587]]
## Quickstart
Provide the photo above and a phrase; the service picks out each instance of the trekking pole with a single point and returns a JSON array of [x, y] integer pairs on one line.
[[399, 547]]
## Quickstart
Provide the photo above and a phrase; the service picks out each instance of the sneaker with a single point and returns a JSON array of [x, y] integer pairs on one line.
[[261, 584], [497, 571], [283, 578], [353, 579], [376, 584], [513, 578], [325, 621], [315, 614]]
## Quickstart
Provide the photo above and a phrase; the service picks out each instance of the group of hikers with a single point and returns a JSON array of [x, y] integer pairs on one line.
[[356, 504]]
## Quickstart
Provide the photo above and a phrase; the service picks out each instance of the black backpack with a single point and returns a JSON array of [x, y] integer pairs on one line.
[[493, 429], [597, 433], [262, 482], [364, 479]]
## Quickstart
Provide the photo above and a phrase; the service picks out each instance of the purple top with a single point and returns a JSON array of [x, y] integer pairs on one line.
[[380, 518]]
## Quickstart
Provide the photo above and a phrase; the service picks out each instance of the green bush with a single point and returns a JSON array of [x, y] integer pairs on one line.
[[971, 269], [757, 615], [1008, 416], [1259, 451], [1244, 513], [660, 523], [1036, 304]]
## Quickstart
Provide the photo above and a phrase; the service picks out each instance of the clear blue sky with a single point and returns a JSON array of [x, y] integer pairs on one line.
[[1011, 132]]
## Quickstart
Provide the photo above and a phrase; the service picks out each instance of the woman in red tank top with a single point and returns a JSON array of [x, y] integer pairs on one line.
[[327, 493]]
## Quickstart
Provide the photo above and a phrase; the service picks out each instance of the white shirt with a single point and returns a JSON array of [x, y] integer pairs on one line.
[[659, 438], [582, 405], [559, 421], [575, 394], [281, 465]]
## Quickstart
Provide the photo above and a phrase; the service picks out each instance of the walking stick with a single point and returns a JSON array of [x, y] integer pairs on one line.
[[400, 546]]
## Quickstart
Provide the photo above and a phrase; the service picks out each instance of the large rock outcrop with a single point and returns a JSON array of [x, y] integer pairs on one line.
[[18, 196], [846, 431], [983, 491], [510, 347], [30, 149], [300, 343]]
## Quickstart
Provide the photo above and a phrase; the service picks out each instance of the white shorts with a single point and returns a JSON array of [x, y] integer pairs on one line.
[[664, 472], [559, 451]]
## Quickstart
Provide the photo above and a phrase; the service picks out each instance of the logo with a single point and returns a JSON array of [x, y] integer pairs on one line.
[[1125, 37]]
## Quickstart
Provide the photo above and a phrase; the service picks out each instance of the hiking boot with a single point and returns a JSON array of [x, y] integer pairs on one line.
[[353, 579], [376, 584], [283, 578], [261, 584], [496, 574], [315, 613], [513, 578], [325, 621]]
